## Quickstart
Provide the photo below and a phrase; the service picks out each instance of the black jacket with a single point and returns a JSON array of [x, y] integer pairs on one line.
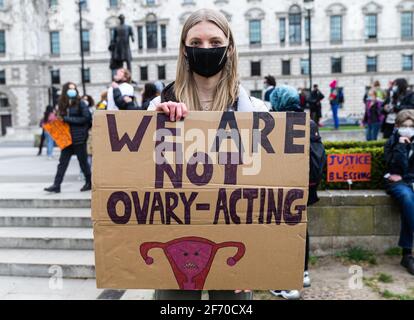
[[79, 119], [121, 104], [398, 160], [405, 102]]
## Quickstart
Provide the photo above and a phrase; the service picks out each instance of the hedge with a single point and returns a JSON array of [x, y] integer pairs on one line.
[[376, 149]]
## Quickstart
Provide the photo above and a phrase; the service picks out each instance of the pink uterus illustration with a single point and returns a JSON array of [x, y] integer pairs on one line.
[[191, 258]]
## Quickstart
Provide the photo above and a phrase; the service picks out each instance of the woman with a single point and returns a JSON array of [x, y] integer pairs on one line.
[[48, 117], [399, 156], [334, 99], [74, 111], [121, 93], [150, 93], [373, 116], [103, 103], [206, 81]]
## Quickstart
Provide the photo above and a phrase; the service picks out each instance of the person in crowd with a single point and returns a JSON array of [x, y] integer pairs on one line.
[[381, 94], [90, 102], [149, 94], [160, 86], [286, 99], [207, 80], [124, 96], [74, 111], [48, 116], [269, 86], [399, 157], [316, 98], [390, 115], [335, 101], [303, 100], [103, 103], [373, 116]]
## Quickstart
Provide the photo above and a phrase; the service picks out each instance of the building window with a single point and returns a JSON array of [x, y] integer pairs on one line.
[[286, 67], [163, 36], [336, 65], [282, 30], [407, 62], [255, 32], [256, 94], [371, 26], [86, 43], [55, 76], [87, 75], [152, 35], [1, 4], [113, 3], [336, 28], [150, 2], [304, 66], [4, 101], [140, 37], [2, 76], [84, 4], [372, 64], [161, 73], [2, 41], [407, 25], [144, 73], [295, 28], [54, 43], [255, 68]]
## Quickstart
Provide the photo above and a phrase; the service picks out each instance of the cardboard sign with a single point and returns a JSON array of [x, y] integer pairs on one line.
[[215, 202], [349, 167], [60, 132]]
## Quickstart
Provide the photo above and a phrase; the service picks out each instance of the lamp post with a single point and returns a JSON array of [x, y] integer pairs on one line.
[[80, 4], [309, 4]]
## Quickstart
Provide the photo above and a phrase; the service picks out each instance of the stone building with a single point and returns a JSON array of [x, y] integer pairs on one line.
[[353, 41]]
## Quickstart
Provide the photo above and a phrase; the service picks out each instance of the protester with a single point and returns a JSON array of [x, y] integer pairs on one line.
[[149, 94], [269, 86], [373, 116], [389, 113], [207, 80], [74, 111], [403, 97], [335, 99], [381, 94], [399, 156], [124, 94], [48, 116], [103, 103], [286, 99], [316, 98], [160, 86], [303, 100], [88, 100]]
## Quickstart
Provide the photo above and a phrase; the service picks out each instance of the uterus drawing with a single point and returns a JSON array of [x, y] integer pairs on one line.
[[191, 258]]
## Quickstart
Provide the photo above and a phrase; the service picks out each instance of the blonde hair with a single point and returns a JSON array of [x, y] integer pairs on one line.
[[227, 89], [403, 116]]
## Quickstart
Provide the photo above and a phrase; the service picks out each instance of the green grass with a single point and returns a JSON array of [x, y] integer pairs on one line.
[[393, 252], [357, 255], [343, 128], [313, 260], [393, 296], [385, 278]]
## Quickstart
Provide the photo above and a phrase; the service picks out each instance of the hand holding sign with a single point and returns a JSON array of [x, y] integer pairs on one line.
[[176, 111]]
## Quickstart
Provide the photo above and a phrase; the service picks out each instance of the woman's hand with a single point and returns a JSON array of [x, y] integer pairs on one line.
[[128, 99], [395, 178], [405, 140], [176, 111]]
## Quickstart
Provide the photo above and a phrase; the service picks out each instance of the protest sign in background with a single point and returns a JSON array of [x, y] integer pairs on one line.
[[349, 167], [217, 201]]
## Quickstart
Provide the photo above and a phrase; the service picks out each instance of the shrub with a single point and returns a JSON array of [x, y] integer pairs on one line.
[[375, 148]]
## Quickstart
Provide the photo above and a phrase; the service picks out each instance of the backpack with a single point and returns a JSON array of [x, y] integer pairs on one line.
[[317, 157]]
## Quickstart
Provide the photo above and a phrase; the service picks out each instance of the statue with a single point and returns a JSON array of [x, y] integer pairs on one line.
[[119, 47]]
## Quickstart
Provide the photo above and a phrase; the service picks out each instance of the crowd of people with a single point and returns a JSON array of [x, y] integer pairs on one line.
[[207, 80]]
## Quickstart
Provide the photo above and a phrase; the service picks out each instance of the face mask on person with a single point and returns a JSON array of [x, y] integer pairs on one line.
[[395, 89], [407, 132], [206, 62], [72, 93]]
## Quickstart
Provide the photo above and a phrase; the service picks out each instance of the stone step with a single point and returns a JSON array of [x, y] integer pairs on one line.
[[31, 195], [64, 218], [71, 264], [47, 238]]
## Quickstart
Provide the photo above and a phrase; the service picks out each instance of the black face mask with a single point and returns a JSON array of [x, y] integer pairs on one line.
[[206, 62]]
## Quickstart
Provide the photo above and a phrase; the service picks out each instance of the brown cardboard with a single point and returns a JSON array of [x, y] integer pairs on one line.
[[164, 231]]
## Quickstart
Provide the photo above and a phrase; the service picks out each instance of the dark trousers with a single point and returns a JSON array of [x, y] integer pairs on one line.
[[307, 249], [404, 194], [66, 155], [42, 142], [196, 295]]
